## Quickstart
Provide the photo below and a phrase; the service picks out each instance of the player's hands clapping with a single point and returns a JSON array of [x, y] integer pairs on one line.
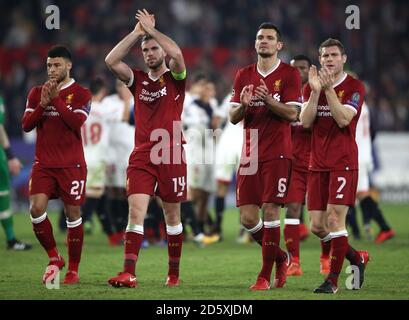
[[45, 95], [261, 91], [53, 89], [326, 78], [245, 95], [313, 79], [49, 91], [145, 21]]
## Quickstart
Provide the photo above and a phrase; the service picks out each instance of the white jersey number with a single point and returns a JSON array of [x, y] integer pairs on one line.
[[77, 188], [179, 185]]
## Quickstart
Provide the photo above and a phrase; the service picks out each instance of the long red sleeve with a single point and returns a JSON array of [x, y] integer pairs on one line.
[[31, 118], [72, 118]]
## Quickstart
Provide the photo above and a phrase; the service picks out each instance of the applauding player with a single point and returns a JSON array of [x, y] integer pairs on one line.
[[332, 108], [57, 110], [266, 95], [159, 96]]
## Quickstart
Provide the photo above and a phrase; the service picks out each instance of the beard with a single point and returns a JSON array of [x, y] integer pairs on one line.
[[61, 77], [156, 65], [265, 55]]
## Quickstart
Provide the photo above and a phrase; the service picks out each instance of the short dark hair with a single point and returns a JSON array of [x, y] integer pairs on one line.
[[146, 37], [58, 51], [270, 25], [303, 57], [330, 42], [96, 85]]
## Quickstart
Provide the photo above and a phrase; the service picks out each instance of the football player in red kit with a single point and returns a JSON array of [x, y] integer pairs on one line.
[[331, 109], [57, 111], [301, 139], [266, 95], [154, 167]]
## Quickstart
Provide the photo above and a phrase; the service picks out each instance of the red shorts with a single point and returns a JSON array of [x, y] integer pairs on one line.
[[267, 185], [331, 187], [68, 184], [298, 187], [168, 181]]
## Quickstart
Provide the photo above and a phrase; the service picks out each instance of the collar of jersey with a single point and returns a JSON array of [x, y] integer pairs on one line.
[[340, 80], [65, 86], [154, 79], [273, 68]]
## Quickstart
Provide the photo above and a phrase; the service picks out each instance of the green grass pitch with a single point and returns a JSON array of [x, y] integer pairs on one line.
[[219, 271]]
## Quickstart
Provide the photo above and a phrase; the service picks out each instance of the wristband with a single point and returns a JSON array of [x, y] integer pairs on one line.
[[9, 153]]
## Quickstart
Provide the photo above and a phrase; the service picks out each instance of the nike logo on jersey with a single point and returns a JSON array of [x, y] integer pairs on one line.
[[339, 196]]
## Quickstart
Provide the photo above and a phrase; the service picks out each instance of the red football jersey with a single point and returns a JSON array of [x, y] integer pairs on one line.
[[274, 133], [59, 143], [158, 105], [334, 148], [301, 139]]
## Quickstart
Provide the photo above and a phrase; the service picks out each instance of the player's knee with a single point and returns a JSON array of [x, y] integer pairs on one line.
[[249, 222], [332, 222], [318, 230], [271, 213], [293, 211], [73, 214], [172, 216], [135, 212], [37, 209]]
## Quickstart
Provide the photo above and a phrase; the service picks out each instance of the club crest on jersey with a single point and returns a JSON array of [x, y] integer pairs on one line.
[[340, 95], [68, 99], [277, 85], [162, 81]]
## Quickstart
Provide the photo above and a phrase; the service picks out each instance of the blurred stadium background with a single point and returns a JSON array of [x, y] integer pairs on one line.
[[217, 37]]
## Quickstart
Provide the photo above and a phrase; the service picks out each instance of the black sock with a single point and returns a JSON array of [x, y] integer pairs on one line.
[[351, 220], [123, 212], [156, 214], [219, 206], [366, 211], [209, 221], [88, 208], [302, 215], [62, 221], [189, 216], [114, 207], [368, 204], [104, 216], [200, 226]]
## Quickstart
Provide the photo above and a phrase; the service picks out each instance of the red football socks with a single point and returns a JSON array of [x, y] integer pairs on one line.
[[339, 247], [292, 237], [270, 247], [44, 233], [133, 241], [175, 241], [75, 238]]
